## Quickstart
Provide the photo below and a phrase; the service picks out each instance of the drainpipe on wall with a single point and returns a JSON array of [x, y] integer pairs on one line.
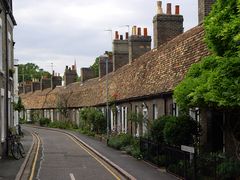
[[6, 82]]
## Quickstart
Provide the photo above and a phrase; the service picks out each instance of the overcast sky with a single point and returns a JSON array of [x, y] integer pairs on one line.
[[61, 31]]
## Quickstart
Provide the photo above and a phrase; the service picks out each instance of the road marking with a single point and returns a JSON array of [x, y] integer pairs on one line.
[[35, 158], [72, 176], [97, 159]]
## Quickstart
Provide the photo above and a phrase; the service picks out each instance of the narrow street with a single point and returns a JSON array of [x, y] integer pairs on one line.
[[61, 157]]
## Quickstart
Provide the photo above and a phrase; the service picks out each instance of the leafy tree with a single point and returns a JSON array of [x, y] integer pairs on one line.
[[31, 71], [214, 82], [222, 28]]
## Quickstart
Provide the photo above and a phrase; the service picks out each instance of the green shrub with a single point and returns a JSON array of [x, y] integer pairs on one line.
[[229, 169], [120, 141], [127, 143], [22, 120], [156, 129], [44, 121], [87, 132], [92, 119], [181, 130]]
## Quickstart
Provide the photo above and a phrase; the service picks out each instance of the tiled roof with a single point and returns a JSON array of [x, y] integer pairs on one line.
[[158, 71]]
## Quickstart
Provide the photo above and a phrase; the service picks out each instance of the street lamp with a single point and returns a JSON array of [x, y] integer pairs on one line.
[[106, 59]]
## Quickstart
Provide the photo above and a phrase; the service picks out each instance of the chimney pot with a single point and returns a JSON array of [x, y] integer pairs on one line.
[[145, 32], [116, 35], [126, 35], [134, 30], [177, 9], [169, 9], [139, 33], [121, 37], [159, 7]]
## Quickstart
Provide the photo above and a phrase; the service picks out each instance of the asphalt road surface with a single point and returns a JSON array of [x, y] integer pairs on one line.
[[62, 158]]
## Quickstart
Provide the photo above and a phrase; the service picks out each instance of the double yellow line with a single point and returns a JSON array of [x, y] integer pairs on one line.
[[80, 145], [36, 156]]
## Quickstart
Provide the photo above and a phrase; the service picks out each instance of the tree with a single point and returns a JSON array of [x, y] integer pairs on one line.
[[31, 71], [222, 28], [95, 66], [214, 82]]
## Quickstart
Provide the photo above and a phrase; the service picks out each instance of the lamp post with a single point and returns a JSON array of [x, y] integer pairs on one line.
[[106, 59]]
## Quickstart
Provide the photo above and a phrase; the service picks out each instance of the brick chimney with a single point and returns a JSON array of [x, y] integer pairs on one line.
[[27, 87], [120, 51], [56, 80], [45, 83], [166, 26], [36, 86], [204, 8], [70, 75], [87, 73], [138, 44], [102, 65]]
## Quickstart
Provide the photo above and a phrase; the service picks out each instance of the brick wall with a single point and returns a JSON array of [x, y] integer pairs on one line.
[[45, 83], [87, 73], [56, 81], [166, 27], [204, 7], [27, 88], [70, 76], [138, 45], [120, 53], [35, 86], [102, 67]]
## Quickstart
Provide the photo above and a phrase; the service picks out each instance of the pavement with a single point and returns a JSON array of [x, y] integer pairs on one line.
[[138, 168], [9, 167]]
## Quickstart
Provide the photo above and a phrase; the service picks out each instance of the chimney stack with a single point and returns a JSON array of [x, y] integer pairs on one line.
[[70, 75], [177, 10], [139, 31], [126, 36], [116, 35], [87, 73], [45, 83], [102, 65], [145, 32], [120, 52], [169, 9], [121, 37], [139, 45], [167, 26], [134, 30], [159, 7], [204, 8]]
